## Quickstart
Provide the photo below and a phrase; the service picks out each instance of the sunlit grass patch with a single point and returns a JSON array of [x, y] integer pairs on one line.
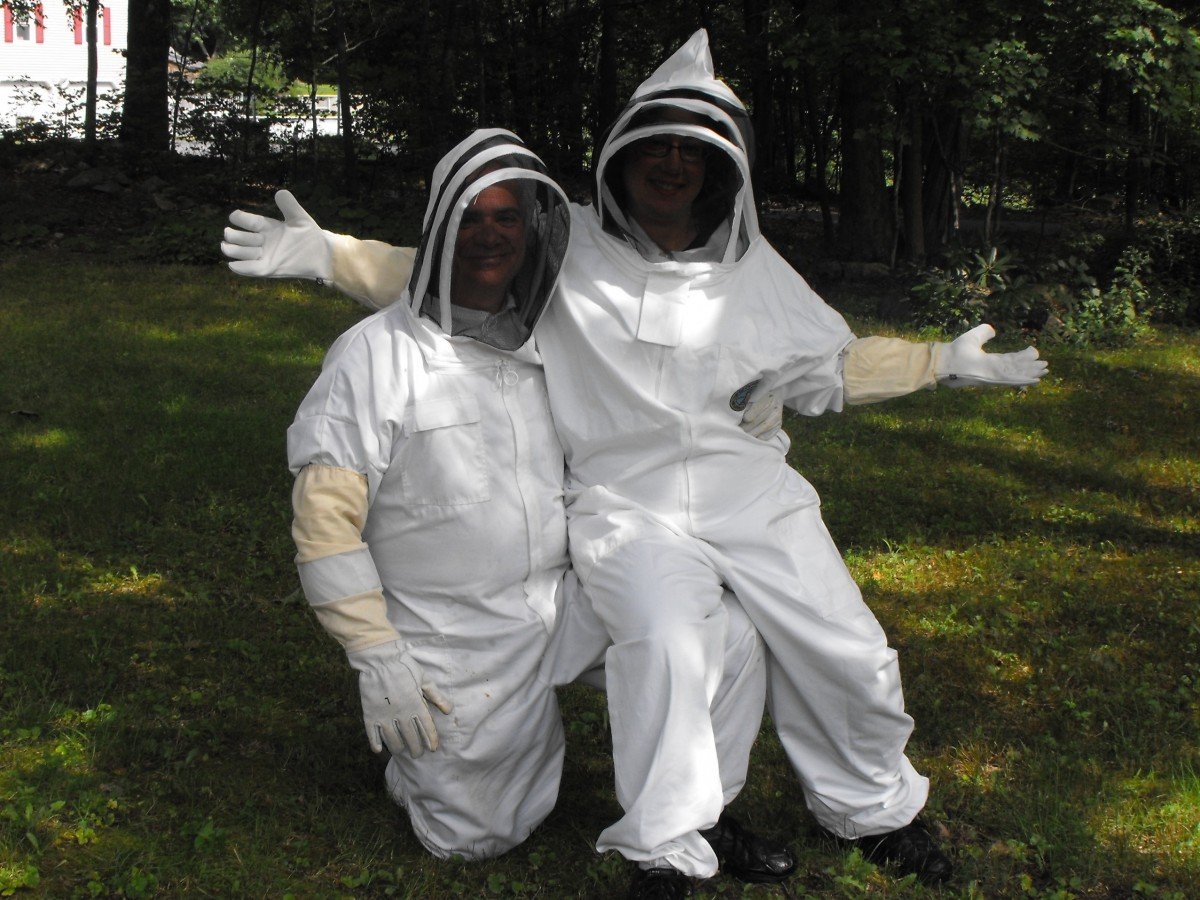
[[173, 720]]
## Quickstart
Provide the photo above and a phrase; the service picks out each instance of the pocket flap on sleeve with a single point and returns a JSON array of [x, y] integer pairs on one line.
[[426, 415]]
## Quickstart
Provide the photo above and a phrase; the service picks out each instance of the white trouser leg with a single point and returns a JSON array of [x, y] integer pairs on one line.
[[666, 671], [737, 709], [834, 684]]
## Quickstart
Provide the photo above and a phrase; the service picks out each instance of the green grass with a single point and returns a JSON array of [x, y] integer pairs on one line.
[[172, 720]]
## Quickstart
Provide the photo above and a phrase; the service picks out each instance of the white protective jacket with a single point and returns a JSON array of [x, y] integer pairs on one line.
[[650, 357], [464, 527]]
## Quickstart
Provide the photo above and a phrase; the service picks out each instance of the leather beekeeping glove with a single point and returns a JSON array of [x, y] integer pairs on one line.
[[963, 362], [763, 417], [395, 697], [268, 248]]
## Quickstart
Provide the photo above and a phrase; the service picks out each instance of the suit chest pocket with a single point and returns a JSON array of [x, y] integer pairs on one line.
[[443, 459]]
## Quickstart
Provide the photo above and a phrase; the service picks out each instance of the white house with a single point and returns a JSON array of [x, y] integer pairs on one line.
[[43, 61]]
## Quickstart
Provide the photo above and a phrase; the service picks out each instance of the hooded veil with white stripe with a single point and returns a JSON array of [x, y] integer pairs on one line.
[[489, 157], [684, 87]]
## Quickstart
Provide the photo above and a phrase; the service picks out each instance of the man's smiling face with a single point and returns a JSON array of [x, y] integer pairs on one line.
[[489, 249]]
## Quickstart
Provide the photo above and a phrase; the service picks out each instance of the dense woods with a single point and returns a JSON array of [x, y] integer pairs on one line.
[[891, 112], [893, 120]]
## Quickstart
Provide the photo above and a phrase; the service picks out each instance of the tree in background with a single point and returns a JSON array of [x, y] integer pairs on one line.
[[144, 120]]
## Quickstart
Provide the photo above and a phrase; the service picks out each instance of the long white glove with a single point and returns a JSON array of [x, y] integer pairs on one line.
[[963, 362], [394, 690], [268, 248], [764, 417]]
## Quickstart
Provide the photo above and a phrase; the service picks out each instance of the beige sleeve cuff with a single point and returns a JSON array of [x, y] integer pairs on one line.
[[879, 368], [372, 272], [357, 622], [329, 509], [329, 506]]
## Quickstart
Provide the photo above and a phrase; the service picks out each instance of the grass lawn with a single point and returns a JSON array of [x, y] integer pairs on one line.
[[173, 721]]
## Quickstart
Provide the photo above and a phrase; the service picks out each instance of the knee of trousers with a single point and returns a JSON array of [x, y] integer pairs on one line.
[[477, 808], [695, 653], [648, 587]]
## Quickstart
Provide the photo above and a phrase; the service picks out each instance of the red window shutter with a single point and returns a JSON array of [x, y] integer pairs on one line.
[[39, 24], [78, 17], [8, 25], [106, 13]]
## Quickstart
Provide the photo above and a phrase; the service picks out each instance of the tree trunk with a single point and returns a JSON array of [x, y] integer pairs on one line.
[[756, 20], [606, 74], [314, 64], [864, 226], [1133, 161], [249, 108], [182, 77], [816, 127], [942, 164], [349, 160], [789, 129], [910, 180], [995, 193], [144, 123], [89, 105]]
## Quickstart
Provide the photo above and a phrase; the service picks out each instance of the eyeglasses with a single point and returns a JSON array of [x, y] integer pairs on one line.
[[659, 148]]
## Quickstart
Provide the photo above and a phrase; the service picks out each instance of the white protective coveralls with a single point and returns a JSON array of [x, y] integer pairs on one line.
[[650, 359], [670, 501], [440, 451]]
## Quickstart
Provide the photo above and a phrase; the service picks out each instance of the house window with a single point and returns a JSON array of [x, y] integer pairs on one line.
[[32, 28], [105, 21]]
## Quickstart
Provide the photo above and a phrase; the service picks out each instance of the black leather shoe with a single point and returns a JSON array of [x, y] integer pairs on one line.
[[910, 849], [746, 856], [663, 883]]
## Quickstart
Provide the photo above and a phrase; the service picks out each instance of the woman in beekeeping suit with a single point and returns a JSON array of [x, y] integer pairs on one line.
[[429, 518], [672, 314]]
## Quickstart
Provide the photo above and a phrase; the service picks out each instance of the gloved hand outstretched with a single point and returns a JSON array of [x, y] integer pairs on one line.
[[764, 417], [394, 691], [963, 362], [268, 248]]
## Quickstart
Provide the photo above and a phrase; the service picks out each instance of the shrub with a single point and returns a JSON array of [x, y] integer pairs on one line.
[[1171, 246], [1064, 300], [965, 291], [1080, 312]]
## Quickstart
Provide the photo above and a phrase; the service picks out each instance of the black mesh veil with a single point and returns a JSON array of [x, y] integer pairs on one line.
[[489, 158], [683, 98]]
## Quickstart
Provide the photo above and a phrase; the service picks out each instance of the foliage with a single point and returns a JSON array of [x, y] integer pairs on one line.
[[1091, 316], [971, 288], [1171, 247], [68, 101], [172, 719], [230, 74], [1064, 299]]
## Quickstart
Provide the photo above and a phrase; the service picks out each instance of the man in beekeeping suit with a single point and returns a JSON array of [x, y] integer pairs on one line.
[[430, 527], [672, 314]]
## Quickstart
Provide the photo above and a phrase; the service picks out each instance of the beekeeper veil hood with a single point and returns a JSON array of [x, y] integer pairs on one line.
[[684, 98], [526, 240]]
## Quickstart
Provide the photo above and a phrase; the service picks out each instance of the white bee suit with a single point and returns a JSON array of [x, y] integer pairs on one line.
[[465, 534], [465, 528], [669, 501]]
